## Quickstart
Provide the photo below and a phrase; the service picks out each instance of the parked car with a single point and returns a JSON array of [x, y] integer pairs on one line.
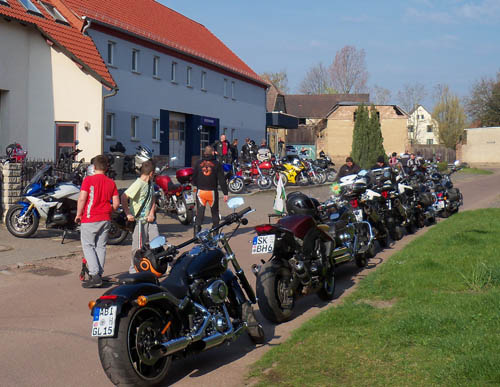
[[291, 150]]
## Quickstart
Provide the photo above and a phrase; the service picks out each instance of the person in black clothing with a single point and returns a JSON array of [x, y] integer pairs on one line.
[[248, 150], [207, 176], [380, 163], [222, 149], [281, 148], [349, 168], [234, 150], [413, 164]]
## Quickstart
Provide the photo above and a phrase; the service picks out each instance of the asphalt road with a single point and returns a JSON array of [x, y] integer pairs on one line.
[[45, 322]]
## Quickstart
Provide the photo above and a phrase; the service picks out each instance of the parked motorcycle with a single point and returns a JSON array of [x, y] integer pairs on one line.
[[235, 183], [301, 262], [257, 172], [448, 198], [146, 322], [326, 163], [292, 170]]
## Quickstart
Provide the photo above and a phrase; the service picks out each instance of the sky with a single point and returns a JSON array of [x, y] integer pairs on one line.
[[453, 42]]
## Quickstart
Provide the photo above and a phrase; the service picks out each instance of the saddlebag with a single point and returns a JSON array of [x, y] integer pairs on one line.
[[453, 194], [426, 199]]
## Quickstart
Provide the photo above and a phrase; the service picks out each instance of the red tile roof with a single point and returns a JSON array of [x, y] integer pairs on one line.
[[68, 38], [155, 22]]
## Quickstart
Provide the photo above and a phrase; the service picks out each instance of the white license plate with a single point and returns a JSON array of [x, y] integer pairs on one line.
[[263, 244], [188, 196], [440, 204], [359, 215], [103, 324]]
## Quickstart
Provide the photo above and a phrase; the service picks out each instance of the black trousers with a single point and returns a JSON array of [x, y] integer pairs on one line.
[[200, 211]]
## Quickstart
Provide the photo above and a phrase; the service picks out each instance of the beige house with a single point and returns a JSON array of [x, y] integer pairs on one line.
[[334, 133], [482, 146], [422, 128]]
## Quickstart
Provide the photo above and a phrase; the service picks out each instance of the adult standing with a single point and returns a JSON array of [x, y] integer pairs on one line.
[[281, 148], [207, 176], [349, 168], [234, 150], [245, 150], [222, 149], [98, 195]]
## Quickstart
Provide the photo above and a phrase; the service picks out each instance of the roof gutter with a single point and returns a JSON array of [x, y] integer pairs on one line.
[[112, 94]]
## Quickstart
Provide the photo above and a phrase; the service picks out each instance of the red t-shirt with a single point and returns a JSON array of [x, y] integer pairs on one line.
[[101, 190]]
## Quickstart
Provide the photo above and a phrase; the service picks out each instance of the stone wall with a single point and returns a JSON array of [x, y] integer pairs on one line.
[[10, 177]]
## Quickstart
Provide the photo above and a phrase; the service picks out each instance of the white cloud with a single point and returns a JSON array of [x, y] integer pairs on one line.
[[458, 11]]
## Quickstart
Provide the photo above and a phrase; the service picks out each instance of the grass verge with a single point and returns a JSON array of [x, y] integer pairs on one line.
[[428, 316], [475, 171]]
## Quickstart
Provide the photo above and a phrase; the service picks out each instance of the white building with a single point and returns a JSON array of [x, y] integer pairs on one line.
[[51, 80], [422, 128], [180, 87]]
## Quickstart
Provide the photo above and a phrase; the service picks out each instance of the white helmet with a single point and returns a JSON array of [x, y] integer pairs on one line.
[[142, 154], [90, 170]]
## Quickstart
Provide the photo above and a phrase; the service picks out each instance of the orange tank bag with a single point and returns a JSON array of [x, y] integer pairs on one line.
[[206, 197]]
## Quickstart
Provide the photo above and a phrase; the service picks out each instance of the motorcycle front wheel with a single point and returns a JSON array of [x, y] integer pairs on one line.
[[127, 359], [116, 235], [272, 288], [236, 186], [184, 214], [327, 291], [264, 182], [21, 228], [331, 175], [276, 178]]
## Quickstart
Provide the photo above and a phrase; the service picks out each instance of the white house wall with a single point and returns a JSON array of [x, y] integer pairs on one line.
[[420, 126], [143, 95], [78, 100], [27, 99]]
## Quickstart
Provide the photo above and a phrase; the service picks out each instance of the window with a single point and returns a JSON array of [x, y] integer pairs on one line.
[[430, 141], [225, 88], [429, 128], [421, 116], [173, 72], [135, 60], [30, 7], [188, 76], [156, 66], [110, 125], [133, 127], [53, 12], [224, 131], [111, 52], [156, 129], [203, 80], [410, 128], [232, 90]]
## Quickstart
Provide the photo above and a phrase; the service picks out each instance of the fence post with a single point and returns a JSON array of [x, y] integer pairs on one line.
[[11, 186]]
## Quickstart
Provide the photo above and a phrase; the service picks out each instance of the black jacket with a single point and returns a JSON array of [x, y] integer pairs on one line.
[[208, 173], [248, 152], [218, 147], [345, 170]]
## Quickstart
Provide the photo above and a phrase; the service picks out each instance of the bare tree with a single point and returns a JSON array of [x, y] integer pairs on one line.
[[411, 95], [451, 118], [317, 81], [348, 70], [279, 79], [380, 95], [482, 106]]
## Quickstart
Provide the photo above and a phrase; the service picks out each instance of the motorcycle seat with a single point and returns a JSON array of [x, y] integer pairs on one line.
[[173, 188], [138, 278], [176, 282]]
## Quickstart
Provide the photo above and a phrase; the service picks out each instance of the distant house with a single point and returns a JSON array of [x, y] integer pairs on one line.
[[180, 86], [51, 80], [422, 128], [334, 136], [481, 146]]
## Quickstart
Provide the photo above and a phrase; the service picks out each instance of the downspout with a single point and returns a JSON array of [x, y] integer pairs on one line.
[[86, 24], [112, 94]]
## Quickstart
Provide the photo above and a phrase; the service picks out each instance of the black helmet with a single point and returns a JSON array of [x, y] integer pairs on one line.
[[436, 177], [298, 203], [146, 261]]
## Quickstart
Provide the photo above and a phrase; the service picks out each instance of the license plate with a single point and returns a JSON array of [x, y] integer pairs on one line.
[[188, 196], [440, 204], [359, 215], [263, 244], [103, 324]]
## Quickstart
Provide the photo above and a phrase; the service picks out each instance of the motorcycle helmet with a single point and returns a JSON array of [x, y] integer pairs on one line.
[[298, 203], [90, 170], [142, 154], [146, 261], [436, 177]]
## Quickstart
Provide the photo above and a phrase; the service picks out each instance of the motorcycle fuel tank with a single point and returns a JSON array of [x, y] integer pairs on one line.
[[66, 190], [299, 225], [206, 264], [163, 181]]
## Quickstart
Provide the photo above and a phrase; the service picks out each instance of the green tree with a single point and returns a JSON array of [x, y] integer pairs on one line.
[[376, 141], [360, 136], [450, 117]]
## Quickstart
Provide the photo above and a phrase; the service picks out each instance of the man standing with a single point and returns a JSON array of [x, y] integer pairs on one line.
[[281, 148], [349, 168], [413, 163], [94, 212], [245, 150], [234, 150], [207, 176], [140, 194], [222, 149]]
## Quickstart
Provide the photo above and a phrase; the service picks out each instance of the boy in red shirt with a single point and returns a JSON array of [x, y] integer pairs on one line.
[[94, 212]]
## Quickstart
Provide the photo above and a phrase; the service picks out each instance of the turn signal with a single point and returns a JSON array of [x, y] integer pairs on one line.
[[92, 304], [142, 300]]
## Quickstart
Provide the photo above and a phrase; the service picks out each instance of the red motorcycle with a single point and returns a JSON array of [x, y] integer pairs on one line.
[[260, 173], [176, 199]]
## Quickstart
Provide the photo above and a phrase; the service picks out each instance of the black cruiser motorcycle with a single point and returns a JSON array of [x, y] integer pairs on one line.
[[146, 322]]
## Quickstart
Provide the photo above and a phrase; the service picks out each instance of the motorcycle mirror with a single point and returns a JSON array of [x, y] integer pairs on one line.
[[157, 171], [457, 163], [159, 241], [236, 202]]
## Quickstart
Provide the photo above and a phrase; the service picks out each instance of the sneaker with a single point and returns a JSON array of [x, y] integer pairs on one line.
[[94, 281]]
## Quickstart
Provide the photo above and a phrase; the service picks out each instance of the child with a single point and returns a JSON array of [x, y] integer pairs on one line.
[[142, 209], [94, 212]]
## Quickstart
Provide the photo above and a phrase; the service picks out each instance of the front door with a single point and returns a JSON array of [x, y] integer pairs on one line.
[[65, 138], [204, 138], [177, 139]]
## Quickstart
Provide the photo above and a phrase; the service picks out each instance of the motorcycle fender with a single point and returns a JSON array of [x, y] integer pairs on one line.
[[25, 208], [235, 178], [324, 228], [232, 282]]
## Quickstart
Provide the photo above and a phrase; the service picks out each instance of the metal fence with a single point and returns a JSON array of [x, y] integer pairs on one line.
[[29, 168]]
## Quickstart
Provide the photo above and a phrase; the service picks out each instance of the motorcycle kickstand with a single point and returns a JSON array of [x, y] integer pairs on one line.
[[63, 236]]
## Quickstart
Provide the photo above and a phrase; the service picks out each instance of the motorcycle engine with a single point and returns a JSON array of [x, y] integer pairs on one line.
[[216, 292]]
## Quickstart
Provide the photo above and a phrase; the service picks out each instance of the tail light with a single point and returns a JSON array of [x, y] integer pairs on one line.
[[385, 194], [354, 203], [264, 229], [109, 297], [440, 195], [187, 188]]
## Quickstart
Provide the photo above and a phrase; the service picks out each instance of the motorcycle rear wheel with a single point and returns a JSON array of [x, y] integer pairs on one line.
[[115, 234], [184, 214], [12, 222], [264, 182], [126, 359], [271, 283], [327, 291], [396, 233], [331, 175]]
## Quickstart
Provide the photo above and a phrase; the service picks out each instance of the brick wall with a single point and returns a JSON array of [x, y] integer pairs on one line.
[[10, 177]]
